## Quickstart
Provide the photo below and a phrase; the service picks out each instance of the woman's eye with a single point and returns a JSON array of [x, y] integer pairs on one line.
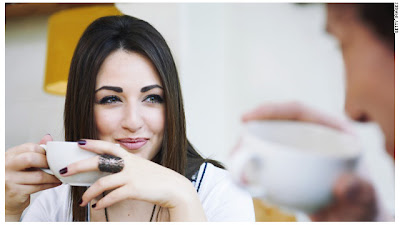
[[109, 100], [154, 99]]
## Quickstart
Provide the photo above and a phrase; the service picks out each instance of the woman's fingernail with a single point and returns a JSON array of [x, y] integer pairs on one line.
[[82, 142], [64, 170], [94, 205]]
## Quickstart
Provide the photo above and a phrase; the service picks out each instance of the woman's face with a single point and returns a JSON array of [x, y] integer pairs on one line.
[[129, 103]]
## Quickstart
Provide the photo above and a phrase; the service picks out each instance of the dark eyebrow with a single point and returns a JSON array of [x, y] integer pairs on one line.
[[111, 88], [147, 88]]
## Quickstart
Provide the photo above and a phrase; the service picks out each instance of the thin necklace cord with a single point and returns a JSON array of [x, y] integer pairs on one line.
[[106, 213]]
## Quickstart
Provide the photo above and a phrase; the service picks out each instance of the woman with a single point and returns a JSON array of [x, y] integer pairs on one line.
[[123, 88]]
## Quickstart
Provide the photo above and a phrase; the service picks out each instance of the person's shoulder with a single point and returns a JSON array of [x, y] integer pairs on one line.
[[49, 205], [211, 174], [211, 178], [214, 170], [57, 191], [221, 198]]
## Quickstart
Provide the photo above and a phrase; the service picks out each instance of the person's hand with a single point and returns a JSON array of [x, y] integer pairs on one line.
[[353, 197], [140, 179], [23, 176], [354, 200], [297, 112]]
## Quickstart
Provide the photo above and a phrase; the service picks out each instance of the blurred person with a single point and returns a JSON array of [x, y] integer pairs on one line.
[[123, 88], [366, 37]]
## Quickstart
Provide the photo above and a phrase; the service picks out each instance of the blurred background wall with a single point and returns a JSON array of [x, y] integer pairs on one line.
[[230, 57]]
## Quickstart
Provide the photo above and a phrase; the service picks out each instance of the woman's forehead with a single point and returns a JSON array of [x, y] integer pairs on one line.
[[126, 67]]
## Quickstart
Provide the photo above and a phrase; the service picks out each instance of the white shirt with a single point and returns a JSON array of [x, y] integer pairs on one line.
[[222, 200]]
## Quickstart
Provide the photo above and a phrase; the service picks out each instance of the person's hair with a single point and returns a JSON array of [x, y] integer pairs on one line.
[[379, 18], [104, 36]]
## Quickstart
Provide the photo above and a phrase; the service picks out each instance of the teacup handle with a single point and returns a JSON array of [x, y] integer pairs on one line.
[[248, 171], [44, 169]]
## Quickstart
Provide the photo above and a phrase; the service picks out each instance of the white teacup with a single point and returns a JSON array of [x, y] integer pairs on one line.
[[60, 154], [292, 164]]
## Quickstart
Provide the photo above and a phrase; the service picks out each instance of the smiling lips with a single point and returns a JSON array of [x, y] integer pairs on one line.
[[132, 143]]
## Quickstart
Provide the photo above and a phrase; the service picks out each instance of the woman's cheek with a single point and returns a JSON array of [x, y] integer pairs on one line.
[[157, 121], [105, 122]]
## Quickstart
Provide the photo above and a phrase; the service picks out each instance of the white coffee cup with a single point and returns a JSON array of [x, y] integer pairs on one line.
[[61, 154], [292, 164]]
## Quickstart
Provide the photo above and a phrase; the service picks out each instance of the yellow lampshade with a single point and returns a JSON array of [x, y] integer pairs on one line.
[[64, 30]]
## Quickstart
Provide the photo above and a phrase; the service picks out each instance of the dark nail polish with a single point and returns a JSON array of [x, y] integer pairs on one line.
[[82, 142], [64, 170], [94, 205], [80, 202]]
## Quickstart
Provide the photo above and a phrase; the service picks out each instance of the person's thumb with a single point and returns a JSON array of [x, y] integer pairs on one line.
[[45, 139]]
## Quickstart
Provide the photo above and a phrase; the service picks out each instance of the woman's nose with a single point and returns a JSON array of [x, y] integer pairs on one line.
[[354, 112], [132, 119]]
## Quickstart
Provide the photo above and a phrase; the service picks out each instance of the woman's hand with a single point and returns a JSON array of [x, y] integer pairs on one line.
[[140, 179], [354, 198], [22, 176]]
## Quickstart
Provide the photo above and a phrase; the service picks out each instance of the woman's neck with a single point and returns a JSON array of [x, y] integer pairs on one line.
[[129, 211]]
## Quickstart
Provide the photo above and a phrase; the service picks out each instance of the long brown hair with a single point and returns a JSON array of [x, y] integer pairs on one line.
[[100, 39]]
